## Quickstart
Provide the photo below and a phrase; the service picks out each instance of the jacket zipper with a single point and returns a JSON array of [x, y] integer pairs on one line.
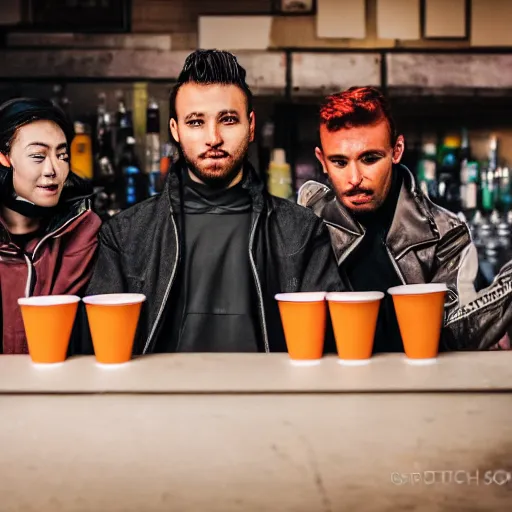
[[29, 261], [258, 288], [28, 285], [168, 290], [54, 233]]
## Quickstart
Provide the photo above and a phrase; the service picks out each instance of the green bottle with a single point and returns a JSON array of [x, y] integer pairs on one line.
[[448, 173], [469, 176], [505, 190], [426, 171], [488, 177]]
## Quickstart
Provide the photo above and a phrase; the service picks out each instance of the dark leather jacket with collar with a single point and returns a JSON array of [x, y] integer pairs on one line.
[[140, 250], [427, 244]]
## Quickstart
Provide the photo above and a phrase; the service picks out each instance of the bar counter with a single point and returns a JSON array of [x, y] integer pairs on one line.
[[251, 432]]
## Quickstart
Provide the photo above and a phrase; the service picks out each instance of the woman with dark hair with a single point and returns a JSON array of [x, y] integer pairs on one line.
[[48, 232]]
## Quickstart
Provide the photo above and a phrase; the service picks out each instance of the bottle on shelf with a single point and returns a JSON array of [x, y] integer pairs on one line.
[[488, 177], [504, 190], [81, 152], [427, 170], [474, 226], [469, 177], [139, 105], [448, 173], [279, 175], [134, 187], [153, 150], [123, 126], [104, 157]]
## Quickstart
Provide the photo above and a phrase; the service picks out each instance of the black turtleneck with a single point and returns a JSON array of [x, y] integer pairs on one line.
[[369, 268], [215, 308]]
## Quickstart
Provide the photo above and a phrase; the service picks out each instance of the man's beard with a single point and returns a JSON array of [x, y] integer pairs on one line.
[[220, 176]]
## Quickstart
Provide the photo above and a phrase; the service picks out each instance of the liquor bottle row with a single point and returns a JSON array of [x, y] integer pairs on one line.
[[478, 190], [450, 175], [106, 153]]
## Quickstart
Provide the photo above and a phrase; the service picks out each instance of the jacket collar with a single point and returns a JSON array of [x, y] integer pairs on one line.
[[250, 182], [58, 221], [412, 223]]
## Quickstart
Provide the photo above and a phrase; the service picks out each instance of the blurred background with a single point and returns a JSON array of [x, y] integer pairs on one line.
[[446, 66]]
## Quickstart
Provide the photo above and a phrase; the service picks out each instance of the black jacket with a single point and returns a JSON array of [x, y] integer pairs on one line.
[[140, 252]]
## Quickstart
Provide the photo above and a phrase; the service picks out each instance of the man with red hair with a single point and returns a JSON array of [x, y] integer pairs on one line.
[[385, 232]]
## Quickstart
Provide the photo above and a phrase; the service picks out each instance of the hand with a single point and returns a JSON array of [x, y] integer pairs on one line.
[[503, 344]]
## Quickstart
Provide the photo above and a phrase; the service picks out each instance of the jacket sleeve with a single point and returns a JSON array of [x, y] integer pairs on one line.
[[321, 270], [108, 276], [472, 320], [456, 264], [482, 323]]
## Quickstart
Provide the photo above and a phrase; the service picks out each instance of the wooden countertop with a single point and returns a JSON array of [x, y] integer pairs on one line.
[[258, 373]]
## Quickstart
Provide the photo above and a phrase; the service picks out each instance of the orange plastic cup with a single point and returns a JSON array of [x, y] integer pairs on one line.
[[354, 320], [48, 321], [303, 316], [113, 320], [420, 310]]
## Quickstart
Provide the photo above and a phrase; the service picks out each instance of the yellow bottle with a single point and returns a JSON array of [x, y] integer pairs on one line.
[[279, 175], [140, 102], [81, 153]]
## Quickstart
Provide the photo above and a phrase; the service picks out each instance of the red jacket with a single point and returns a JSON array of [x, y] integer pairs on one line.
[[61, 263]]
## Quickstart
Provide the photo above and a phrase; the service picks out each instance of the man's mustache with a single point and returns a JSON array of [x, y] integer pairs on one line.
[[358, 191], [219, 153]]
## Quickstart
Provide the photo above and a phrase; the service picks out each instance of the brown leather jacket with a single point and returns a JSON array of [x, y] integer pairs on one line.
[[427, 244]]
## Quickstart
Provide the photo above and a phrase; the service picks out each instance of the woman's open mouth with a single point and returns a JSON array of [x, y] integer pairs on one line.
[[49, 189]]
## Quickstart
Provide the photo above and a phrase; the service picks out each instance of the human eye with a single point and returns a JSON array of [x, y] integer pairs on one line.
[[38, 157], [371, 158], [339, 162], [230, 119]]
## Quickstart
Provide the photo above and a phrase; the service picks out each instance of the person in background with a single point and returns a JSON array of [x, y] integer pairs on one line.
[[386, 232], [214, 248], [48, 233]]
